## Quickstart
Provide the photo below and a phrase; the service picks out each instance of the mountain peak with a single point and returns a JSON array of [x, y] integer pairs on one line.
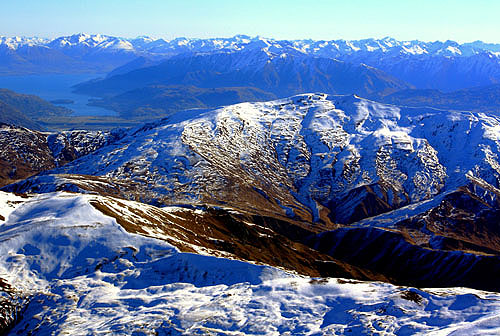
[[237, 42]]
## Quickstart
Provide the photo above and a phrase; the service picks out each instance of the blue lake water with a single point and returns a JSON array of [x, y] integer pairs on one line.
[[52, 87]]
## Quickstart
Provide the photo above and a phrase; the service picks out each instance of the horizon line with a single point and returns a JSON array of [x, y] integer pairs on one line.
[[156, 38]]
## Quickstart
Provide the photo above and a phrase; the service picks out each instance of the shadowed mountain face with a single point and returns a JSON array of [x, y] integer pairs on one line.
[[182, 82], [26, 152], [477, 99], [282, 76], [32, 106], [404, 194], [12, 116], [159, 100], [24, 110]]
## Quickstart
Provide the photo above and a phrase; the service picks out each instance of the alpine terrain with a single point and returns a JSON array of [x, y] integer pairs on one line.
[[315, 214], [438, 65]]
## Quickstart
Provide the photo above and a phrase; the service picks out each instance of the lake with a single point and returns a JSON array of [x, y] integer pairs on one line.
[[56, 87]]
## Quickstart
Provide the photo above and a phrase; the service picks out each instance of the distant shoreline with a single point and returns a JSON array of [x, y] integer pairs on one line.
[[62, 101]]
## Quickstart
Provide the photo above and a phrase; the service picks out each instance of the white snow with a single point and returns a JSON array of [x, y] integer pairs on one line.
[[454, 50], [418, 152], [8, 203], [414, 50], [330, 49], [86, 275]]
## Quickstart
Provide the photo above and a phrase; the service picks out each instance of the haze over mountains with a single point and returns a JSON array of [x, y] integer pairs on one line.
[[204, 73], [93, 49], [460, 65]]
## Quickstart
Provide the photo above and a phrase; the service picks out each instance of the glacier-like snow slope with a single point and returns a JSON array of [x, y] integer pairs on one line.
[[81, 273], [307, 153]]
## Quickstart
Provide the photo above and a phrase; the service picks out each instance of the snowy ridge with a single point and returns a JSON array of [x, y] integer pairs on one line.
[[8, 203], [16, 42], [332, 48], [91, 42], [83, 273], [446, 66], [319, 152]]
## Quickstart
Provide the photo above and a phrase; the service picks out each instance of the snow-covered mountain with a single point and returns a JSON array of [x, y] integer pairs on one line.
[[249, 219], [66, 267], [332, 48], [334, 173], [440, 65], [19, 42], [95, 42], [317, 148], [282, 76], [309, 215]]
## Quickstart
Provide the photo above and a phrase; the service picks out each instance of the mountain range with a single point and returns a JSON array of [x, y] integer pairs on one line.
[[446, 66], [77, 43], [403, 73], [325, 171], [278, 77], [152, 78], [319, 185], [245, 206]]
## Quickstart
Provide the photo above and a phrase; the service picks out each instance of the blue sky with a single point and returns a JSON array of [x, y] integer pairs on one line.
[[426, 20]]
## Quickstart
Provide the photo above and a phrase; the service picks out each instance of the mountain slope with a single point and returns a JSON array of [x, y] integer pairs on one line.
[[77, 271], [31, 105], [12, 116], [317, 150], [25, 152], [158, 100], [282, 75], [445, 73], [359, 179], [478, 99], [140, 62], [26, 110]]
